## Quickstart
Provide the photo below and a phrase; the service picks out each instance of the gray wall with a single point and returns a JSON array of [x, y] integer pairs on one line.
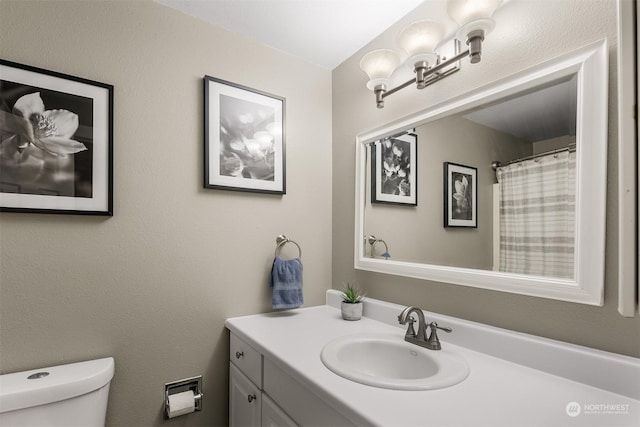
[[152, 285], [411, 231], [527, 33]]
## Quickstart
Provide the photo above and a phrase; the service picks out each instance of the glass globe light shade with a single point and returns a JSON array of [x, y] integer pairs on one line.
[[379, 65], [420, 39], [473, 15], [466, 11]]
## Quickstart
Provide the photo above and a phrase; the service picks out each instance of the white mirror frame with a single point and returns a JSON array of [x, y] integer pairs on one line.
[[590, 63]]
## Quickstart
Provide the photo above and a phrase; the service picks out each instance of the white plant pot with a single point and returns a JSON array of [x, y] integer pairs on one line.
[[351, 311]]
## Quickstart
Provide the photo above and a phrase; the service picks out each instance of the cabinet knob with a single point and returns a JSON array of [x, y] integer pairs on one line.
[[239, 354], [251, 398]]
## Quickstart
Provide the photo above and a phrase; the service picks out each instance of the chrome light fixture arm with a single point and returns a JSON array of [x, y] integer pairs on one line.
[[424, 77], [474, 40], [419, 41]]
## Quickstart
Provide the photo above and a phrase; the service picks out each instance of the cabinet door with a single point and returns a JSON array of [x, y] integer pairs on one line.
[[245, 400], [273, 416]]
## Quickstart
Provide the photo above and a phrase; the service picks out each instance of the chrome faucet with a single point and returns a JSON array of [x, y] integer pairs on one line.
[[420, 338]]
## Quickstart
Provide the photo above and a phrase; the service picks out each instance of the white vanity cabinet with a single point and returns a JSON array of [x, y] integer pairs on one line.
[[244, 400], [296, 387], [249, 405], [262, 393]]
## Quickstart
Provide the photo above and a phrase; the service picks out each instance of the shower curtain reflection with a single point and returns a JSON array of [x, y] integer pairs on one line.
[[537, 215]]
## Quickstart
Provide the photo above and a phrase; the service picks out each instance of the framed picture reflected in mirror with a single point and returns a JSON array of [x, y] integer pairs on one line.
[[393, 170], [460, 195]]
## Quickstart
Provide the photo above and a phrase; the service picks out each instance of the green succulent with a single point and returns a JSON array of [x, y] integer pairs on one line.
[[351, 294]]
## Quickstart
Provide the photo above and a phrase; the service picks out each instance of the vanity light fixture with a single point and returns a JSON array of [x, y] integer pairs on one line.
[[419, 41]]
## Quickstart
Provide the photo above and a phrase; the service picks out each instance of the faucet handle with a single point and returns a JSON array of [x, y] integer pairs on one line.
[[434, 326], [433, 341]]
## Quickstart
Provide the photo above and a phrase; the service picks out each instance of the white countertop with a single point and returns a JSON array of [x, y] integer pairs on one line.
[[496, 393]]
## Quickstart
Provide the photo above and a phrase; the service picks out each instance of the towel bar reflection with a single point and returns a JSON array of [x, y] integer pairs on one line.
[[282, 240], [373, 241]]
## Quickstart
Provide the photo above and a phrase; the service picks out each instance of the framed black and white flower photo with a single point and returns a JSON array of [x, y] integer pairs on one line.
[[460, 195], [244, 147], [393, 170], [56, 142]]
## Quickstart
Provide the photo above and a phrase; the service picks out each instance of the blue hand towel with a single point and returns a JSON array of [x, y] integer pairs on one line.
[[286, 281]]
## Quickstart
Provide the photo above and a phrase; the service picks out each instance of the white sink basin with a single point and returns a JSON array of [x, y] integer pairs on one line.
[[387, 361]]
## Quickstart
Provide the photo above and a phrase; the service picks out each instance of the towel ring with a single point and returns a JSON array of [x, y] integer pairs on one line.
[[373, 241], [282, 240]]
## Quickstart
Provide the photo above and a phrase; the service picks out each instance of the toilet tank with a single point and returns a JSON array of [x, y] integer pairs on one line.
[[75, 394]]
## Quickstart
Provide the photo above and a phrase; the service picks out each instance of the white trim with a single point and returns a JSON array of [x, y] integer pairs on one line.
[[627, 143], [590, 63]]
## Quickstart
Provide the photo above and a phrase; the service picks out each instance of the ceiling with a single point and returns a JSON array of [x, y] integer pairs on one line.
[[545, 113], [327, 32], [322, 32]]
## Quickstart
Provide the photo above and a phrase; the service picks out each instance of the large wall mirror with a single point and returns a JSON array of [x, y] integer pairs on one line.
[[502, 188]]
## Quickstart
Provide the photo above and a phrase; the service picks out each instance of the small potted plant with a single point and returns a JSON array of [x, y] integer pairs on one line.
[[351, 303]]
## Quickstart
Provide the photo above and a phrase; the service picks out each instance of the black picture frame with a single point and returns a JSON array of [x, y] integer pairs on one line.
[[244, 131], [460, 195], [394, 172], [56, 142]]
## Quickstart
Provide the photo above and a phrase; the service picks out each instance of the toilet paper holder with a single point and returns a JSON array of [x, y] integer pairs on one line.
[[194, 384]]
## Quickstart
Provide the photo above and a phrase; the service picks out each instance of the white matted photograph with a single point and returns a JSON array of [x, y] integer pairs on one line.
[[244, 138], [56, 142], [393, 170], [460, 195]]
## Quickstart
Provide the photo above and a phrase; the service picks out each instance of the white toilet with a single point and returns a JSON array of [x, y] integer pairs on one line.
[[75, 394]]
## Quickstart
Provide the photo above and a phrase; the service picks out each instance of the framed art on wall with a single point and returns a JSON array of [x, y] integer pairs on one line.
[[460, 195], [393, 170], [56, 142], [244, 148]]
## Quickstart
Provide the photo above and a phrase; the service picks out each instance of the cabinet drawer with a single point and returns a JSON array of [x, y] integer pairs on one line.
[[247, 359]]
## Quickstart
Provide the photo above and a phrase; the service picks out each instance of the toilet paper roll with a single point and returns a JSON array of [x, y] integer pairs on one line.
[[181, 403]]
